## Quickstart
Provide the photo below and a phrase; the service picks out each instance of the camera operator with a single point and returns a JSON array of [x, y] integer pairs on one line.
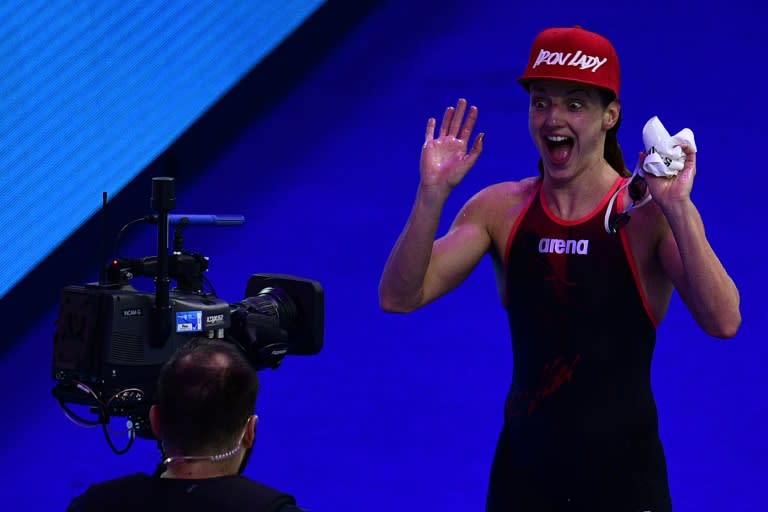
[[204, 420]]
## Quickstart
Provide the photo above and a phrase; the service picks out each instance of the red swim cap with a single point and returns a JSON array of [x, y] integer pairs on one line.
[[576, 55]]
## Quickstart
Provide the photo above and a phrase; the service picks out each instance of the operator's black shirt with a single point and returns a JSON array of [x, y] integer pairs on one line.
[[144, 493]]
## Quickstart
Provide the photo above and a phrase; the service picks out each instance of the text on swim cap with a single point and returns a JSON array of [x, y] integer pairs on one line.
[[579, 59]]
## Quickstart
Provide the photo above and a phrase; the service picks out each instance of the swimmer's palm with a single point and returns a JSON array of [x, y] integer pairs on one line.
[[445, 161]]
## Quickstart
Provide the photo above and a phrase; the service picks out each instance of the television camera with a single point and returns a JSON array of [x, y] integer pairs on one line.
[[111, 340]]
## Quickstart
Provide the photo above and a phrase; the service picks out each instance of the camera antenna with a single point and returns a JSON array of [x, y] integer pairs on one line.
[[102, 269], [163, 200]]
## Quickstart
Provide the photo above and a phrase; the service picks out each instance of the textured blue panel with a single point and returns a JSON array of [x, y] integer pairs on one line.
[[93, 91]]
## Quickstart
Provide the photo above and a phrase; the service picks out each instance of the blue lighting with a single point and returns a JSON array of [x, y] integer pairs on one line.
[[93, 91]]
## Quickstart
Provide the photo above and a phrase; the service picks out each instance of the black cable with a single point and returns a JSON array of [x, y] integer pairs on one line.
[[146, 218], [210, 285], [76, 418], [131, 439], [103, 418]]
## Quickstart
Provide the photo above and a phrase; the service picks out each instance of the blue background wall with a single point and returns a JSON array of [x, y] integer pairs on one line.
[[93, 91], [318, 147]]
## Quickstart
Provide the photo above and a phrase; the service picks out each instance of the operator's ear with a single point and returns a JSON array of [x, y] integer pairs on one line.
[[250, 431], [154, 421]]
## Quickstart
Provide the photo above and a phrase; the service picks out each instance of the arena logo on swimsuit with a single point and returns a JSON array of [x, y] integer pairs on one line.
[[558, 246]]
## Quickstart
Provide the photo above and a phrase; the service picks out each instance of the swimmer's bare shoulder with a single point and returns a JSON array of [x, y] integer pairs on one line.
[[500, 205]]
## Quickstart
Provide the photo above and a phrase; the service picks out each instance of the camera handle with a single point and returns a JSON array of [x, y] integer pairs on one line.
[[163, 200]]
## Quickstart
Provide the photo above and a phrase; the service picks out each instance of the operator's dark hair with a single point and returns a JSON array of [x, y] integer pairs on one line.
[[612, 151], [206, 393]]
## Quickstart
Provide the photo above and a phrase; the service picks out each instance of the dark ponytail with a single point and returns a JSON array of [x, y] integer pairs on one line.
[[612, 151]]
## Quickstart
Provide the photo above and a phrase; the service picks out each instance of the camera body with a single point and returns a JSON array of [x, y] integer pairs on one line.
[[106, 337]]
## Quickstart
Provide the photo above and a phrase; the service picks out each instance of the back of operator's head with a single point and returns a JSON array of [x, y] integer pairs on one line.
[[206, 393]]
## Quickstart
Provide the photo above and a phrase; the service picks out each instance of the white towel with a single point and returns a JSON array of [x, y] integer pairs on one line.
[[664, 155]]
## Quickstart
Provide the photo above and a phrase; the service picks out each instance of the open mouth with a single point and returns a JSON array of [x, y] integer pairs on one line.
[[559, 148]]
